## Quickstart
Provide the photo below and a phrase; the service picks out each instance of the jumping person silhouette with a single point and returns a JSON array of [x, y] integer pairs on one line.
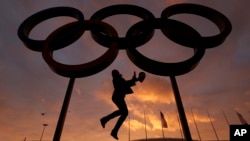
[[121, 88]]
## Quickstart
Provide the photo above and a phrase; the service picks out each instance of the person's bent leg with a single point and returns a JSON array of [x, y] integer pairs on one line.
[[105, 119], [118, 124], [124, 113]]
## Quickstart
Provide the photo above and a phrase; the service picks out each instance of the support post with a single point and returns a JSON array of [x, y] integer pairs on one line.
[[64, 110], [180, 108]]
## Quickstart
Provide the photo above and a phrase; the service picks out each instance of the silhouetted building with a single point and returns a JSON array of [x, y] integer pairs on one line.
[[169, 139], [161, 139]]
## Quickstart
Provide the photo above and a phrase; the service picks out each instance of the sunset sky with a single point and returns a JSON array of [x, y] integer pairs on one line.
[[28, 87]]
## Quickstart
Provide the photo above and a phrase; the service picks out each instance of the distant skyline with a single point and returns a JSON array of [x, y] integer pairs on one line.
[[29, 88], [168, 139]]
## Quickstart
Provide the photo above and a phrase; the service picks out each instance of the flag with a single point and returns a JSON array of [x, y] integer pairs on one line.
[[145, 127], [163, 121], [242, 120]]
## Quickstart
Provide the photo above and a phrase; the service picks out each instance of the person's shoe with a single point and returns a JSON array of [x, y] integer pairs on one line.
[[103, 122], [114, 135]]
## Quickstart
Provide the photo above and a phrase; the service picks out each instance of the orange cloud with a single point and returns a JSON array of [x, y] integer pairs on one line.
[[155, 90], [134, 125], [202, 118]]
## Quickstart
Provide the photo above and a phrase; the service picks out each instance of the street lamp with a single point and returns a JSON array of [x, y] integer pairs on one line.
[[44, 126]]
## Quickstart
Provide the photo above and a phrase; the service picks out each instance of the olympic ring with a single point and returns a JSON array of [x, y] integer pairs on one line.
[[216, 17], [160, 68], [137, 35], [122, 9], [86, 69], [27, 25]]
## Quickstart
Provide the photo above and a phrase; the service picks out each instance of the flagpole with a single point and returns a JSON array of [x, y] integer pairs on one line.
[[163, 124], [162, 132], [213, 126], [129, 127], [196, 125], [145, 126], [225, 118]]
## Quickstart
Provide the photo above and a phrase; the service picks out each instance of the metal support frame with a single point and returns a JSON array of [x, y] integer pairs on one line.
[[180, 108], [64, 110]]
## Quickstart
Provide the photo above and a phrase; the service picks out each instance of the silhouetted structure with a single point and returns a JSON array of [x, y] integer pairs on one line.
[[137, 35]]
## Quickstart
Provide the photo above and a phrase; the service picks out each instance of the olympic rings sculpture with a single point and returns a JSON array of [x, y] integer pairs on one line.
[[137, 35]]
